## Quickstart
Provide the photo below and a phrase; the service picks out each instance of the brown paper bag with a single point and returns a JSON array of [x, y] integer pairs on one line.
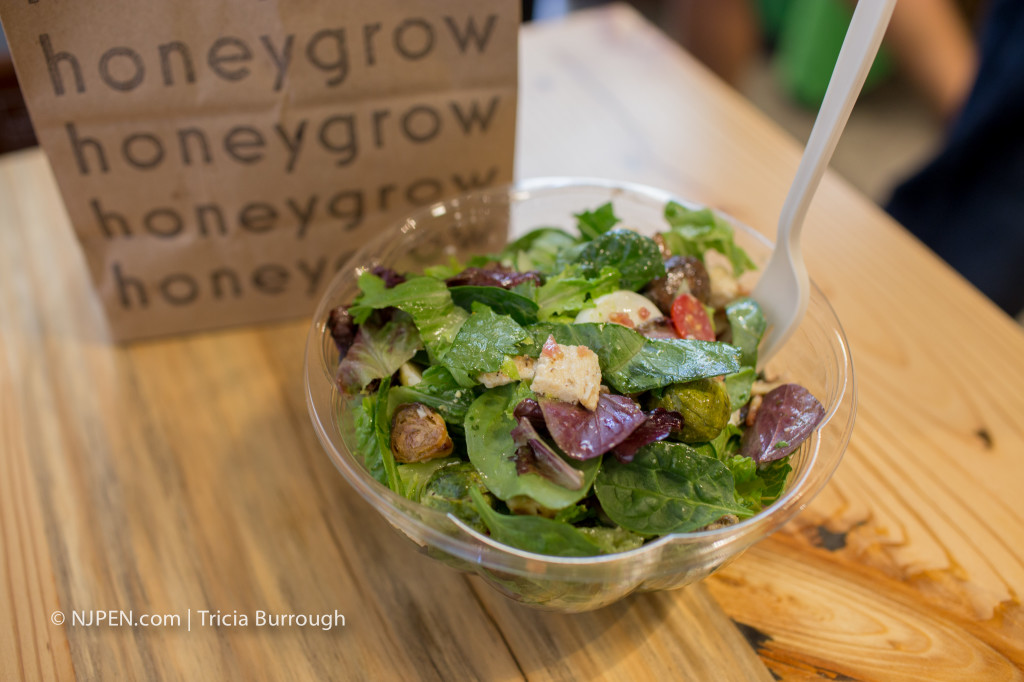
[[221, 160]]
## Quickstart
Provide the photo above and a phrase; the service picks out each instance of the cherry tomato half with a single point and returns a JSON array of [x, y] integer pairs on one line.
[[690, 319]]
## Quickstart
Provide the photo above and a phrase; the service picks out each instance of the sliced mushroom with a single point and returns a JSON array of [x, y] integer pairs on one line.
[[527, 506], [419, 434], [727, 520]]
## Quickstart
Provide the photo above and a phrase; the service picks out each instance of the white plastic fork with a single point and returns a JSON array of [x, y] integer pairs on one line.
[[784, 288]]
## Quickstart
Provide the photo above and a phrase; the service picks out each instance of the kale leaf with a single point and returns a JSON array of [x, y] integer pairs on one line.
[[637, 257], [520, 308]]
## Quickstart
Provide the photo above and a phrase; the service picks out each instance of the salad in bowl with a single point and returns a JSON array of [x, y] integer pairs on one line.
[[572, 404]]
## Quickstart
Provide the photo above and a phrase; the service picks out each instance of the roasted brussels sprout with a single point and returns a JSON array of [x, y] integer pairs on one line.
[[448, 492], [704, 405], [679, 270], [418, 434]]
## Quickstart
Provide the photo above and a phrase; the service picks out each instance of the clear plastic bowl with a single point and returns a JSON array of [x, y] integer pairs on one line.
[[817, 357]]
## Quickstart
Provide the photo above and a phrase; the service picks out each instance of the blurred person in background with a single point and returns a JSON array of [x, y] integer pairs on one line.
[[967, 204]]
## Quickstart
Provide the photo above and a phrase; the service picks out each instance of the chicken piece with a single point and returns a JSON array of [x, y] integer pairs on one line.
[[524, 370], [752, 407], [765, 387], [568, 373], [724, 287]]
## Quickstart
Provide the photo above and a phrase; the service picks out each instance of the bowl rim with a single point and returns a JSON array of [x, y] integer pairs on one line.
[[389, 504]]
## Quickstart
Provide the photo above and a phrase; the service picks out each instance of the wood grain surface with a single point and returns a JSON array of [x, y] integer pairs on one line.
[[183, 473]]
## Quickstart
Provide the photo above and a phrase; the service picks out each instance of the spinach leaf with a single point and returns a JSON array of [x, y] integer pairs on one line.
[[738, 385], [637, 257], [593, 224], [414, 476], [520, 308], [483, 343], [667, 488], [425, 298], [449, 490], [382, 431], [692, 233], [439, 391], [747, 323], [378, 351], [613, 343], [537, 249], [631, 363], [534, 533], [491, 449], [568, 292]]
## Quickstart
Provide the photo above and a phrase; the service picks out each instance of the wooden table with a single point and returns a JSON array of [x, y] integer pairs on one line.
[[184, 474]]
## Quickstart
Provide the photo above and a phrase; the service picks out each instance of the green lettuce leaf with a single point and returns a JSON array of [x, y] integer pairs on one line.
[[426, 299], [373, 437], [612, 540], [738, 385], [382, 431], [774, 476], [693, 232], [439, 391], [364, 414], [748, 324], [749, 487], [569, 292], [378, 351], [414, 476], [537, 250], [727, 442], [592, 224], [449, 491]]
